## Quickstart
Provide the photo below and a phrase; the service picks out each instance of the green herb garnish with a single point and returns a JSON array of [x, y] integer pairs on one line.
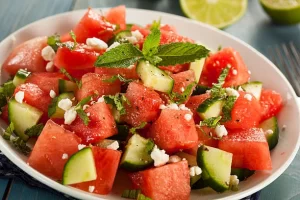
[[118, 101], [79, 109], [181, 98], [212, 122], [6, 92], [141, 126], [35, 130], [116, 77], [54, 41], [75, 80], [226, 110], [52, 107], [73, 36], [217, 90]]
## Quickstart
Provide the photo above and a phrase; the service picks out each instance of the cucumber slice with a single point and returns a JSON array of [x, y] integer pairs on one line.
[[120, 37], [192, 160], [123, 131], [241, 173], [105, 143], [20, 77], [200, 89], [197, 67], [199, 184], [211, 107], [137, 153], [80, 167], [216, 167], [59, 113], [254, 88], [194, 179], [66, 86], [270, 127], [23, 116], [154, 77]]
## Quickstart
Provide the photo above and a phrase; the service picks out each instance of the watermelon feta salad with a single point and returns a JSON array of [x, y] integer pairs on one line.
[[111, 96]]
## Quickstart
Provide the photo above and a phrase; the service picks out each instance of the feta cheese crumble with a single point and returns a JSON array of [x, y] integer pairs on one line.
[[50, 66], [162, 107], [137, 34], [182, 107], [65, 104], [234, 181], [52, 94], [240, 89], [19, 97], [182, 89], [96, 43], [232, 92], [269, 131], [70, 116], [65, 156], [221, 131], [174, 159], [81, 146], [113, 45], [88, 114], [248, 97], [159, 156], [195, 171], [234, 72], [101, 99], [91, 188], [113, 146], [187, 117], [85, 107], [48, 53]]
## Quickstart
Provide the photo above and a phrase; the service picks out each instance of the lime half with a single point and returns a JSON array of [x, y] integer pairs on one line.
[[282, 11], [218, 13]]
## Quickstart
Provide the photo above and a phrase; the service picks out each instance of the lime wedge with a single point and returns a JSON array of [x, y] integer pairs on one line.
[[282, 11], [218, 13]]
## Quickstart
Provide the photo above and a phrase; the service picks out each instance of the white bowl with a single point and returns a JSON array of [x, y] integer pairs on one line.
[[262, 69]]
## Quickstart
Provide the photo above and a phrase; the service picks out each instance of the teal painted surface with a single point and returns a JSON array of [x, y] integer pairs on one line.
[[3, 186], [255, 28]]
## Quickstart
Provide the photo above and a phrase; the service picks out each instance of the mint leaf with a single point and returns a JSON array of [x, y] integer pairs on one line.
[[217, 90], [227, 108], [141, 126], [123, 79], [211, 122], [153, 59], [116, 77], [151, 43], [52, 107], [121, 56], [35, 130], [118, 101], [83, 102], [180, 53], [155, 24], [54, 41], [73, 36], [111, 79], [6, 92], [181, 98], [83, 116], [75, 80]]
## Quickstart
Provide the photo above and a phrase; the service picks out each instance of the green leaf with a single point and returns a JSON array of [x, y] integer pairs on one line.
[[141, 126], [118, 101], [227, 108], [9, 131], [181, 98], [217, 90], [116, 77], [211, 122], [121, 56], [83, 116], [52, 106], [6, 92], [155, 24], [35, 130], [54, 41], [73, 36], [123, 79], [153, 59], [84, 101], [150, 46], [180, 53], [111, 79], [64, 71]]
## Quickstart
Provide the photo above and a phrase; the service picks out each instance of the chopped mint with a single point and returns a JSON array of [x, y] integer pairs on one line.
[[227, 108], [141, 126], [54, 41], [35, 130], [118, 101], [217, 90], [73, 36], [181, 98], [211, 122], [52, 106], [155, 24]]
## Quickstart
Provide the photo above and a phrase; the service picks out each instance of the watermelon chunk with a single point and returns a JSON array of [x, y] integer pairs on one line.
[[46, 80], [167, 182], [4, 114], [193, 104], [94, 84], [27, 55], [271, 103], [144, 104], [107, 163], [54, 141], [102, 124], [249, 147], [117, 15], [183, 80], [173, 131], [176, 68], [128, 73]]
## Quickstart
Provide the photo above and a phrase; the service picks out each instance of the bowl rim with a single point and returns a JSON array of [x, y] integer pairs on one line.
[[85, 195]]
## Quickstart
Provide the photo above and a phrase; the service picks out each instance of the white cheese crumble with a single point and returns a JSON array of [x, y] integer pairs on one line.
[[248, 97], [65, 104], [91, 188], [195, 170], [234, 72], [96, 43], [162, 107], [65, 156], [234, 181], [52, 94], [137, 34], [81, 146], [232, 92], [182, 89], [113, 146], [229, 66], [240, 89], [249, 72], [159, 156], [48, 53], [88, 114], [269, 131], [50, 66], [113, 45], [101, 99], [131, 67], [19, 97], [70, 116], [85, 107], [182, 107], [221, 131], [187, 117], [174, 159]]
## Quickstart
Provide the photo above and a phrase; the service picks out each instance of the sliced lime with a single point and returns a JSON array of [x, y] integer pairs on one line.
[[282, 11], [218, 13]]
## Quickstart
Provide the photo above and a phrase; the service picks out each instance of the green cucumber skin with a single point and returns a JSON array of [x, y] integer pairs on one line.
[[250, 86], [118, 37], [202, 108], [22, 74], [199, 184], [200, 89], [271, 124], [66, 86], [194, 179], [59, 113], [242, 174]]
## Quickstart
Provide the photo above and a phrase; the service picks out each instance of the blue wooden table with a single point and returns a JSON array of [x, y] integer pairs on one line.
[[254, 28]]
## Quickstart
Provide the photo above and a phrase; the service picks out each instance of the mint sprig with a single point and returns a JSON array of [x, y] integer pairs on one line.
[[141, 126], [227, 108], [75, 80], [217, 90], [212, 122]]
